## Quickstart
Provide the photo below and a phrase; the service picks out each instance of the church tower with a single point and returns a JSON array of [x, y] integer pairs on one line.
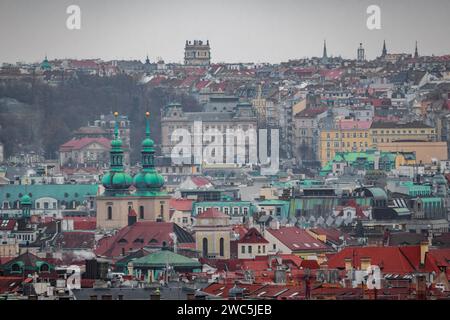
[[25, 205], [116, 181], [148, 181], [361, 54], [148, 202]]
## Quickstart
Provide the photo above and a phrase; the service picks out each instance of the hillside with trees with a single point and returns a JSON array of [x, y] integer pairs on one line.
[[39, 117]]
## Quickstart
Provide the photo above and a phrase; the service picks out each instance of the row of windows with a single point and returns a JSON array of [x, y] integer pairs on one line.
[[354, 135], [250, 248], [342, 144], [66, 195], [43, 205], [109, 211], [225, 210], [25, 237], [400, 131]]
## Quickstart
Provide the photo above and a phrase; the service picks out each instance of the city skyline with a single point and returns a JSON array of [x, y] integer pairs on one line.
[[252, 31]]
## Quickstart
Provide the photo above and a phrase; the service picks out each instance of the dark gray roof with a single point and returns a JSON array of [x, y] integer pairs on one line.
[[175, 292]]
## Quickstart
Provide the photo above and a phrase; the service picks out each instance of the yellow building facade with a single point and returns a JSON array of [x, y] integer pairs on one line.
[[348, 137], [387, 132], [212, 234]]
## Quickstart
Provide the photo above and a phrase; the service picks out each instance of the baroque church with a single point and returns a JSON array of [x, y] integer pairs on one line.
[[147, 198]]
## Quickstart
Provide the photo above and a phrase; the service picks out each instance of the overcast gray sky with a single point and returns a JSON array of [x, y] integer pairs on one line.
[[238, 30]]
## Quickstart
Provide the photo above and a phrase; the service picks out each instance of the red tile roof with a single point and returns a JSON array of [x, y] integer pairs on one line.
[[84, 64], [181, 204], [9, 284], [297, 239], [310, 112], [436, 259], [212, 213], [252, 236], [397, 260], [77, 144], [7, 224], [310, 264], [76, 240], [291, 259], [332, 234], [142, 234], [240, 230], [200, 181], [83, 223]]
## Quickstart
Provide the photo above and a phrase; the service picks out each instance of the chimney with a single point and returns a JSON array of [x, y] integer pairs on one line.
[[423, 251], [365, 263], [132, 217], [348, 264], [130, 268]]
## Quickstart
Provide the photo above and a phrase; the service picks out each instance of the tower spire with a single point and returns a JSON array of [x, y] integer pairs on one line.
[[116, 147], [416, 52], [384, 52], [324, 55], [147, 125], [116, 179], [148, 179], [116, 126]]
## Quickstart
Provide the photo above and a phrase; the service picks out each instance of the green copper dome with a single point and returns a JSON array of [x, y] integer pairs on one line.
[[116, 143], [25, 200], [117, 180], [45, 65], [148, 143], [148, 181]]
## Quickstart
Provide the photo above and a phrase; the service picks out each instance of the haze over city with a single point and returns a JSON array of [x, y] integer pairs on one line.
[[255, 150], [239, 31]]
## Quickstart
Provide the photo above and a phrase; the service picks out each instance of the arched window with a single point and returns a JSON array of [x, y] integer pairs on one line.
[[15, 267], [205, 247], [221, 247], [109, 213], [45, 268]]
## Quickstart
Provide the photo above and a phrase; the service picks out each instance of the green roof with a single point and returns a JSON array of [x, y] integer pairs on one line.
[[60, 192], [163, 258], [273, 202], [402, 211], [367, 157], [378, 193]]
